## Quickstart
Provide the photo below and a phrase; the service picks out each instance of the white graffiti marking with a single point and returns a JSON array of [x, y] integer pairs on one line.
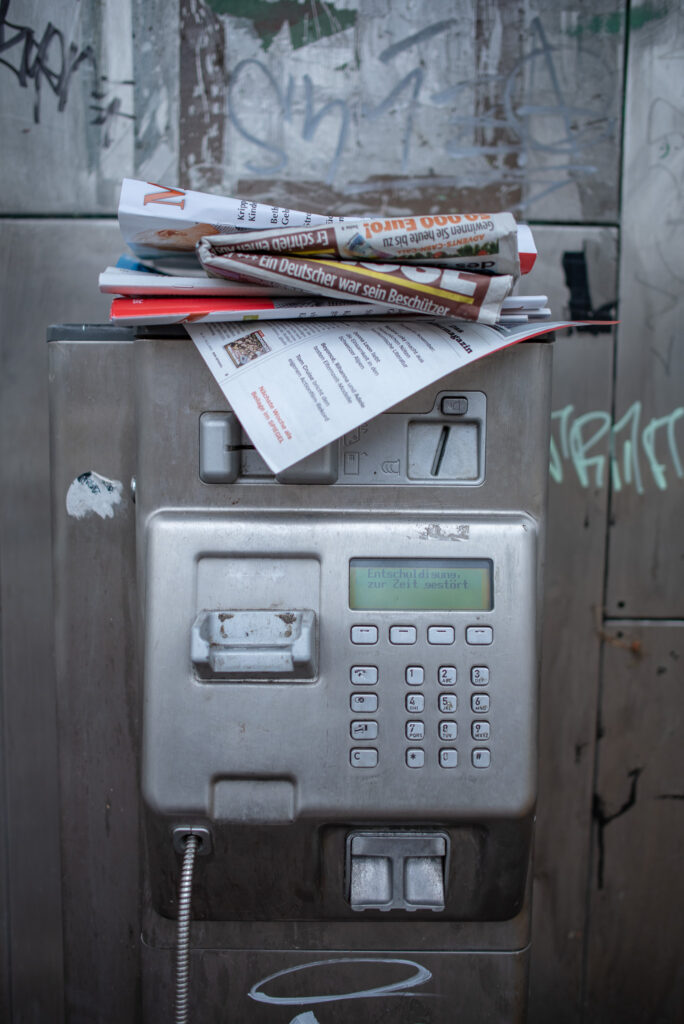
[[592, 442], [397, 988]]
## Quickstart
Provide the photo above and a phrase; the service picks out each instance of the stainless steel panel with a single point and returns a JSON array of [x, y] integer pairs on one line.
[[636, 928], [645, 539], [96, 677], [574, 579], [39, 283], [314, 987]]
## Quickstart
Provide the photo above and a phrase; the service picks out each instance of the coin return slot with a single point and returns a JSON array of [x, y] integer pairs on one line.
[[396, 870]]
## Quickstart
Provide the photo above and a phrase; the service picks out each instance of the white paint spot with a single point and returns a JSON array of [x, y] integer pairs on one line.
[[92, 494]]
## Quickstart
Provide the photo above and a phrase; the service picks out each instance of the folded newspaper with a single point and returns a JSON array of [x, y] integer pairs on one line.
[[162, 225], [297, 385]]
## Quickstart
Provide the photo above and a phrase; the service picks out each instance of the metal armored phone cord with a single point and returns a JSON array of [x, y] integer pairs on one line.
[[191, 845]]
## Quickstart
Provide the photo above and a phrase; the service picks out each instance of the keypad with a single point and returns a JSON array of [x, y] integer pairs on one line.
[[432, 741]]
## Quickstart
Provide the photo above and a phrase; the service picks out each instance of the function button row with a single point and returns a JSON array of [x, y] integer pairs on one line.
[[367, 757], [436, 635]]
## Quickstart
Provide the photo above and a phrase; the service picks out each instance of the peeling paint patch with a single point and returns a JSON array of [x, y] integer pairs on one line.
[[92, 494], [307, 22], [435, 532]]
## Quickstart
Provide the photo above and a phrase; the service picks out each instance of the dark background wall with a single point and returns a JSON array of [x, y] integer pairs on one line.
[[572, 115]]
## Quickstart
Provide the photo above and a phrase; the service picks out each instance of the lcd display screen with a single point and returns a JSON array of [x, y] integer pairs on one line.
[[420, 584]]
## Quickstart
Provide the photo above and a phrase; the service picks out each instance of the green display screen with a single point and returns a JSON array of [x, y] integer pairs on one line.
[[420, 584]]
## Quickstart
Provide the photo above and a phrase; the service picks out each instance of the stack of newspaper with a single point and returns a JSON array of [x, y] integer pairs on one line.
[[366, 311], [204, 258]]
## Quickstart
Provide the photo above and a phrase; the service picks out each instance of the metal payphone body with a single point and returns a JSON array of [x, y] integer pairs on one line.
[[339, 686]]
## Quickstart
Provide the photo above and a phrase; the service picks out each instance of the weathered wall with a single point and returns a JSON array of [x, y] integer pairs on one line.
[[393, 105]]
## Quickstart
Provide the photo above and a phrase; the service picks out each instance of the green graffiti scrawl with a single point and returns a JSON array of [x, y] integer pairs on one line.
[[307, 22], [613, 23]]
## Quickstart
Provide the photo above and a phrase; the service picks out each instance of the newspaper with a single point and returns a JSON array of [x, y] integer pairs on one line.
[[163, 224], [430, 290], [297, 385], [480, 242], [180, 309], [183, 310]]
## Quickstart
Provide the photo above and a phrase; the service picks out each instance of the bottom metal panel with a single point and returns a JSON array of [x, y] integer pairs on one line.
[[339, 987]]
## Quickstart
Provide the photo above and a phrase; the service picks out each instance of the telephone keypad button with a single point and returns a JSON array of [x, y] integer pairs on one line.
[[448, 730], [361, 729], [363, 702], [363, 757], [480, 730], [479, 702], [415, 730], [364, 634], [402, 634], [364, 675], [415, 702], [479, 675], [447, 675], [415, 675], [448, 758], [481, 757], [415, 757], [440, 634], [479, 635], [447, 703]]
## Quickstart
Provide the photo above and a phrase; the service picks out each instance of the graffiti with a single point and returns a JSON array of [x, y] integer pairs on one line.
[[513, 125], [593, 444], [50, 61], [396, 988], [306, 22]]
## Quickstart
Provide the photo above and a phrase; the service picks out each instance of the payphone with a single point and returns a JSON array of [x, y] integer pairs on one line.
[[339, 689]]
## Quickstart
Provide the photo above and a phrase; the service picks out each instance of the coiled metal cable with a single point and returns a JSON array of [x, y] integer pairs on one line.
[[183, 940]]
